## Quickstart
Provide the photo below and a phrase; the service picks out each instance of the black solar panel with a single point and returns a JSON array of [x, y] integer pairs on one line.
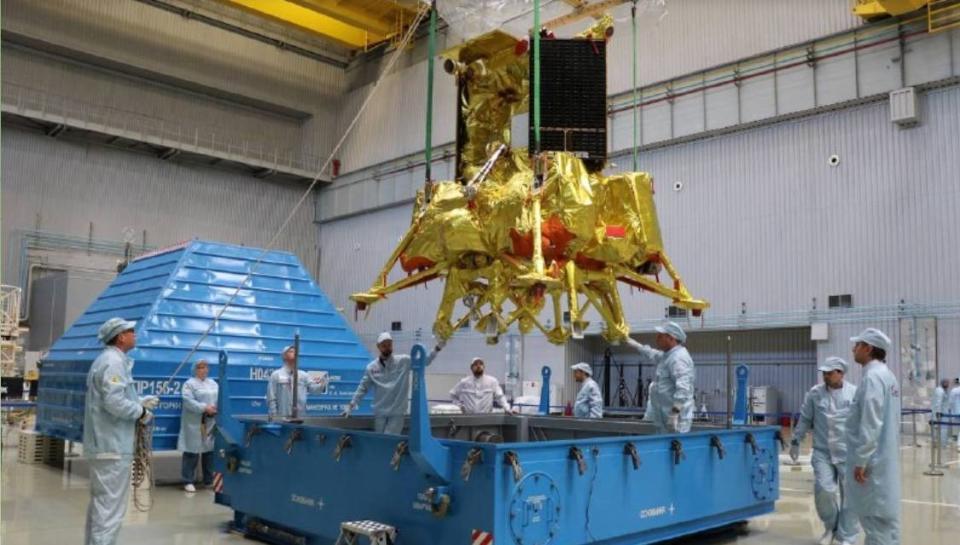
[[573, 97]]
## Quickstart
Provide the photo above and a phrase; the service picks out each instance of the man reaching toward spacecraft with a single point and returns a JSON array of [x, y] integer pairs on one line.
[[389, 376], [671, 402]]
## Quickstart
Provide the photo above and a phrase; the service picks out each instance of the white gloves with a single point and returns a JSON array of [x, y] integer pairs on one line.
[[146, 417], [346, 412], [794, 450], [673, 421], [150, 402]]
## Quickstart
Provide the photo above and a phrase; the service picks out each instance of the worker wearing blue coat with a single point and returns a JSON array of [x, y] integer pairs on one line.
[[670, 403], [825, 410], [873, 442], [589, 402], [389, 377], [110, 414], [280, 388], [196, 426]]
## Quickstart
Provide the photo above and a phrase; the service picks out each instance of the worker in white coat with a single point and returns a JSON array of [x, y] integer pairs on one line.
[[280, 388], [478, 392], [589, 402], [671, 402], [953, 406], [939, 406], [873, 442], [389, 377], [110, 415], [196, 426], [825, 410]]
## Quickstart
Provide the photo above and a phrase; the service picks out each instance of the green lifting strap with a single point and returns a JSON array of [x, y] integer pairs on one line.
[[431, 53], [636, 104], [536, 77]]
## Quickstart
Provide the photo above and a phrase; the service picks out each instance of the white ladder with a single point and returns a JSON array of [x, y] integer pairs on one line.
[[378, 533]]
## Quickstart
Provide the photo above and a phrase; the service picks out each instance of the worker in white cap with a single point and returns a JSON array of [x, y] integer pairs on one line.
[[825, 410], [111, 411], [670, 403], [873, 442], [389, 376], [479, 392], [589, 402], [280, 387]]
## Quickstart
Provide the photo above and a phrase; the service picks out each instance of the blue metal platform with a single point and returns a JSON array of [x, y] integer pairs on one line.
[[491, 479], [173, 295]]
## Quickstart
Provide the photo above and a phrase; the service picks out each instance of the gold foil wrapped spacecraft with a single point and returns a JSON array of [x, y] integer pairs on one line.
[[479, 233]]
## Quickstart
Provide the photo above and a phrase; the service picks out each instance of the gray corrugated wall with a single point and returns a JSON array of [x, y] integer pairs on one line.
[[700, 34], [61, 186], [145, 104], [764, 219]]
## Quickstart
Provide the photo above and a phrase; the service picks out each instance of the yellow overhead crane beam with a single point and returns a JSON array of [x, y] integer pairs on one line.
[[871, 9], [345, 13], [941, 14], [357, 24]]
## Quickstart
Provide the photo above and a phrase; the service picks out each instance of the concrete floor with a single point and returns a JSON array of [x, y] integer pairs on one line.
[[44, 506]]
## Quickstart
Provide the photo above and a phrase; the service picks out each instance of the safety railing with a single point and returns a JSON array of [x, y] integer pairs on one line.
[[912, 413], [25, 100], [939, 422]]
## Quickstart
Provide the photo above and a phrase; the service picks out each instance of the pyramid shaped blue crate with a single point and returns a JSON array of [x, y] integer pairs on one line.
[[173, 296]]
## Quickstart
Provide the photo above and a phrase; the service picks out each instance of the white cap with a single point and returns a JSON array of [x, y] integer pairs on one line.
[[874, 337], [475, 360], [288, 348], [672, 329], [113, 327], [585, 367], [385, 336], [833, 363]]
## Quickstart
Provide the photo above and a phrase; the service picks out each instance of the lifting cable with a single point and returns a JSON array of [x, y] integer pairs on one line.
[[428, 132], [633, 46], [143, 470]]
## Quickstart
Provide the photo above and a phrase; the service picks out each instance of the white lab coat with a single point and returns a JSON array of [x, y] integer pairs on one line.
[[873, 442], [953, 407], [110, 415], [195, 432], [478, 395], [825, 412], [589, 402], [672, 386], [280, 392], [390, 381], [940, 404]]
